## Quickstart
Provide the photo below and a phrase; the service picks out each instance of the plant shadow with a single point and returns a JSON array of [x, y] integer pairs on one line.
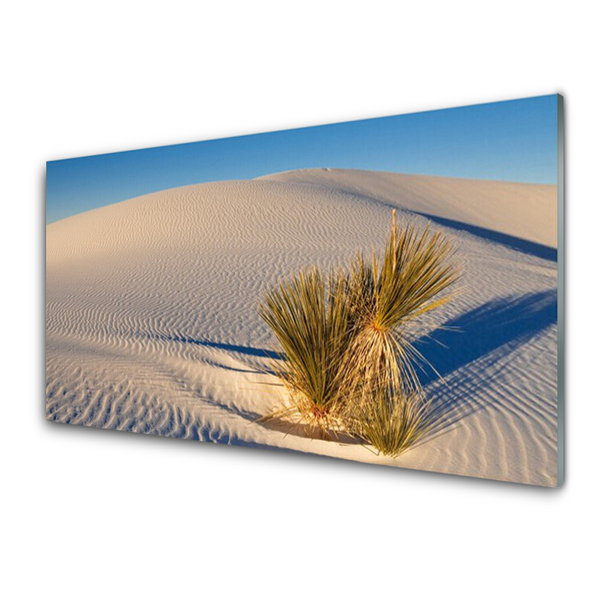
[[510, 241], [274, 422], [478, 336], [469, 343], [286, 426], [246, 350]]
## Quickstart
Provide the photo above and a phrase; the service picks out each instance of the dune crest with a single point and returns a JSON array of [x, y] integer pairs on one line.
[[527, 211]]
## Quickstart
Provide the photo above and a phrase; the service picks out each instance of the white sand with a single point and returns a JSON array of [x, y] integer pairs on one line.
[[152, 324]]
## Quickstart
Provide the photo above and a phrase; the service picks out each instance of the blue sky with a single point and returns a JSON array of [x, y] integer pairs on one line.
[[514, 140]]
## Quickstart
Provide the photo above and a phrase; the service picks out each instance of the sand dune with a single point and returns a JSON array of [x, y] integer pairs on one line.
[[526, 211], [152, 324]]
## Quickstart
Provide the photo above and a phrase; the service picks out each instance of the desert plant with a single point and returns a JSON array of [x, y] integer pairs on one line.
[[386, 405], [313, 322], [389, 293], [348, 361], [391, 422]]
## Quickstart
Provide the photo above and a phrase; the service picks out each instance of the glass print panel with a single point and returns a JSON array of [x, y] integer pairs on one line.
[[383, 291]]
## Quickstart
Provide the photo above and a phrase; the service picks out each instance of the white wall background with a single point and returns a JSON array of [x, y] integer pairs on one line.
[[94, 514]]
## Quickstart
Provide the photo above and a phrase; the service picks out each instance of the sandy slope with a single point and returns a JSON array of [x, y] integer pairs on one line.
[[521, 210], [152, 325]]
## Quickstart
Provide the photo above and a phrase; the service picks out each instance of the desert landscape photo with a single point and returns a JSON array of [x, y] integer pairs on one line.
[[389, 296]]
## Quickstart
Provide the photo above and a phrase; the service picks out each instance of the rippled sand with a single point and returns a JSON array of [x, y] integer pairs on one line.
[[152, 324]]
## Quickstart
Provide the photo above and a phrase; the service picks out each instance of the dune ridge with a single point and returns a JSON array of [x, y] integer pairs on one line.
[[152, 324], [527, 211]]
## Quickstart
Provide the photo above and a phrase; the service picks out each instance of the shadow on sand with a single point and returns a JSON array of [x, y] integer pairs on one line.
[[503, 323], [246, 350], [474, 337], [512, 242], [275, 423], [287, 426]]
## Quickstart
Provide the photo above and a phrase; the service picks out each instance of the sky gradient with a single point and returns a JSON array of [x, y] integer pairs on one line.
[[514, 140]]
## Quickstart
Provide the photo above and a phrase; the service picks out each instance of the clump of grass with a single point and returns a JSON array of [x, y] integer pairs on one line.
[[391, 423], [313, 321], [387, 405], [349, 363], [390, 293]]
